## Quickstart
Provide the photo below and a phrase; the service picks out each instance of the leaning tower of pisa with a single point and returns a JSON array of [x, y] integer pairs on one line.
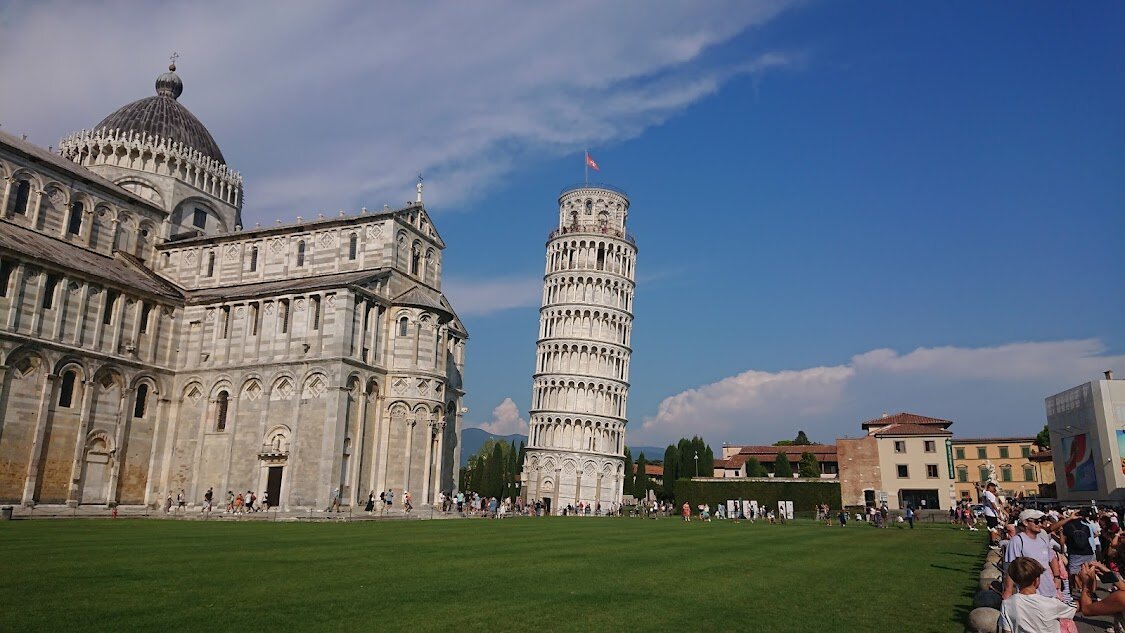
[[576, 443]]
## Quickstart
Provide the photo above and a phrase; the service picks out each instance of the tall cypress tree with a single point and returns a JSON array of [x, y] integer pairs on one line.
[[640, 484], [781, 467], [809, 467], [627, 486], [495, 470], [707, 468], [671, 470], [754, 468]]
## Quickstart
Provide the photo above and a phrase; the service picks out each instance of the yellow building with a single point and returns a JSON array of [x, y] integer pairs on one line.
[[1007, 459]]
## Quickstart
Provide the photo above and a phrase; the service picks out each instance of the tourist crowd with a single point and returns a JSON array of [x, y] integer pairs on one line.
[[1053, 561]]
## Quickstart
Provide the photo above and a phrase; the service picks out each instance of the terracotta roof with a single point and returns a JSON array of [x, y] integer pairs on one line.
[[908, 418], [652, 470], [992, 440], [1041, 456], [120, 270], [767, 454], [299, 284], [911, 429]]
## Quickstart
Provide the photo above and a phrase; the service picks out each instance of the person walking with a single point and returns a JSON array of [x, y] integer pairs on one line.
[[370, 507], [182, 501], [208, 499], [910, 515]]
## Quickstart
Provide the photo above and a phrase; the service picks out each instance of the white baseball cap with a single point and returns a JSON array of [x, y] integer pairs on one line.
[[1030, 514]]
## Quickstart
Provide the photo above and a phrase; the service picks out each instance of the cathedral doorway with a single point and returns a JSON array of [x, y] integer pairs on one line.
[[95, 480], [273, 485]]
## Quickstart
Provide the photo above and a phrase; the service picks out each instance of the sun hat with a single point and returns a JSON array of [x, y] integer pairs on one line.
[[1030, 514]]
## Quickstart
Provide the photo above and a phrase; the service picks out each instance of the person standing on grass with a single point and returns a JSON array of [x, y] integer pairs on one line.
[[390, 498], [230, 501], [208, 499], [182, 500], [168, 503], [686, 511], [992, 512], [843, 517], [370, 507], [910, 515]]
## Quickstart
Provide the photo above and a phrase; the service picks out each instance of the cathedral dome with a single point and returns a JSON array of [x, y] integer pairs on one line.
[[162, 116]]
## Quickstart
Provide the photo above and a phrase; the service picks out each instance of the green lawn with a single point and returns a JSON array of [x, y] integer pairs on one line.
[[554, 574]]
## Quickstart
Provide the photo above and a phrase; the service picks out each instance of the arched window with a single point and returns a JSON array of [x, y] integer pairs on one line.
[[141, 403], [283, 314], [315, 303], [66, 392], [221, 411], [211, 264], [23, 197], [301, 253], [353, 245], [74, 222], [403, 325], [253, 258], [1028, 472]]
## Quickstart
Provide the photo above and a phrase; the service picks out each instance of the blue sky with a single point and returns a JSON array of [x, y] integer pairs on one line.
[[842, 208]]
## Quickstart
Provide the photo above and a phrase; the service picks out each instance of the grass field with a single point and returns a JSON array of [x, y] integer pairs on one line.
[[553, 574]]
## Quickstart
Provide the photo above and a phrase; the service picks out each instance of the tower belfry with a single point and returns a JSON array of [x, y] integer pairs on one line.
[[576, 442]]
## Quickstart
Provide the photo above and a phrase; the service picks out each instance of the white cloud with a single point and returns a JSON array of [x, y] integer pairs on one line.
[[985, 389], [487, 296], [331, 105], [506, 420]]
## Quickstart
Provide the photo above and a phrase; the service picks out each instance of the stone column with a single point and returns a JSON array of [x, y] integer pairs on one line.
[[160, 415], [410, 422], [598, 492], [37, 444], [382, 432], [37, 300], [426, 497], [231, 429], [80, 441], [15, 296], [118, 442], [359, 446], [440, 459]]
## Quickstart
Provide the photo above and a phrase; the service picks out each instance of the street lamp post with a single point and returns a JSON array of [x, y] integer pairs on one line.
[[697, 463]]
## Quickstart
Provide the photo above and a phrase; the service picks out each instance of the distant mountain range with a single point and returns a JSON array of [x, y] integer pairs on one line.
[[472, 439]]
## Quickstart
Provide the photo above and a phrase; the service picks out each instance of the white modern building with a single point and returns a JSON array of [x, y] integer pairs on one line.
[[576, 446], [1087, 426]]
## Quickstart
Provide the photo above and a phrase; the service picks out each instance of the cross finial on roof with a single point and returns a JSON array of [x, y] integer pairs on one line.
[[172, 58]]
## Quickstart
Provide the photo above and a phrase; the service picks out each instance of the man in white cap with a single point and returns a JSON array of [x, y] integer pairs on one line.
[[1032, 541]]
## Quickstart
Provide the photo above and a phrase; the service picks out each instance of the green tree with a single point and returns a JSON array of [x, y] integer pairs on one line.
[[781, 467], [809, 467], [1043, 439], [754, 468], [627, 485], [783, 443], [801, 439], [640, 484], [671, 471]]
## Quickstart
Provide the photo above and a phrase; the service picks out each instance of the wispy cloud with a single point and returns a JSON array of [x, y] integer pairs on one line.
[[506, 420], [986, 389], [488, 296], [335, 104]]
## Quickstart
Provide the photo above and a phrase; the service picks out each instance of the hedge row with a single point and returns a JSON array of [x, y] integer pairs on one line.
[[804, 493]]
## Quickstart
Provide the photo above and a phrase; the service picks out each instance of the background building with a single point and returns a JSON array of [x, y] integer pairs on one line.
[[150, 344], [735, 457], [1087, 426], [1008, 460], [576, 444]]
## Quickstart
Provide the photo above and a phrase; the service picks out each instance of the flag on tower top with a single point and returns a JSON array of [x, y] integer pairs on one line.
[[590, 162]]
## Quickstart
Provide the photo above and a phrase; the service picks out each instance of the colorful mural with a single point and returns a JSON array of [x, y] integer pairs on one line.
[[1121, 449], [1081, 475]]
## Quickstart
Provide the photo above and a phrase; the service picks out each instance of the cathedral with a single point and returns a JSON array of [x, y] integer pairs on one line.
[[151, 344]]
